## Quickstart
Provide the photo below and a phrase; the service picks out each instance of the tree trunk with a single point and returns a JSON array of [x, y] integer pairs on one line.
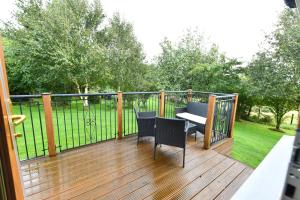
[[85, 98], [258, 115], [249, 111]]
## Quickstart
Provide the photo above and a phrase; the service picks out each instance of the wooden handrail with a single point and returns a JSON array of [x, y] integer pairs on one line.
[[120, 110], [209, 121], [49, 123]]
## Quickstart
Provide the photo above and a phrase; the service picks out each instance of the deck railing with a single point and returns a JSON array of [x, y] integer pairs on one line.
[[60, 122]]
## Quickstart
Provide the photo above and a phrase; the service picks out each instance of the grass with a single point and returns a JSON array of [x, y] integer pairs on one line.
[[98, 123], [253, 141], [75, 125]]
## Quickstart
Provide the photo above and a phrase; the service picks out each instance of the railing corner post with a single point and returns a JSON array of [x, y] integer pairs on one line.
[[189, 95], [233, 114], [162, 103], [120, 110], [209, 121], [49, 123]]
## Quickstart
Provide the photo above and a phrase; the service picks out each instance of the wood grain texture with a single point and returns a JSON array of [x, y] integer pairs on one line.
[[49, 124], [119, 169], [162, 103], [119, 109], [236, 98], [8, 155], [209, 121]]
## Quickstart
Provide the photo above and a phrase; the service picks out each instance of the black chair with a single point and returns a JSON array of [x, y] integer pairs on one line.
[[146, 123], [170, 132]]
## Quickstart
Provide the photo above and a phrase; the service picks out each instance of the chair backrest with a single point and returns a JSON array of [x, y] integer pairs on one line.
[[170, 132], [143, 114], [197, 108]]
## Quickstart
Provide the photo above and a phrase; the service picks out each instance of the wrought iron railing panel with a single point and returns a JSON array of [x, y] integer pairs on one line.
[[144, 101], [173, 100], [83, 120], [222, 118], [33, 140]]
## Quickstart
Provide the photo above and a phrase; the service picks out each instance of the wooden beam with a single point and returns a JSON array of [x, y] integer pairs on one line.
[[209, 121], [162, 103], [119, 109], [189, 95], [298, 126], [49, 124], [8, 156], [233, 116]]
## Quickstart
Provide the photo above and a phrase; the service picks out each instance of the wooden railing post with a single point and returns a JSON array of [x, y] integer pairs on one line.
[[189, 95], [298, 126], [49, 123], [209, 121], [120, 110], [162, 103], [233, 116]]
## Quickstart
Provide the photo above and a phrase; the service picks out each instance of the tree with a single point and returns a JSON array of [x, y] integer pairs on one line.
[[275, 83], [55, 45], [274, 72], [125, 58]]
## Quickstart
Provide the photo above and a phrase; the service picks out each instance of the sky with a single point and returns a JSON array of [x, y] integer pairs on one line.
[[238, 27]]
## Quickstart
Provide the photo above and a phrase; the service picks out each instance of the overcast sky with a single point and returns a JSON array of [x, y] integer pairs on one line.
[[236, 26]]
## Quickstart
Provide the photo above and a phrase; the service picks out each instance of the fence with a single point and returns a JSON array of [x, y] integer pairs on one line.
[[59, 122]]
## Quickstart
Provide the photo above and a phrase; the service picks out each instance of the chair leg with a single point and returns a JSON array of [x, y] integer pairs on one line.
[[183, 160], [138, 138], [154, 151], [195, 135]]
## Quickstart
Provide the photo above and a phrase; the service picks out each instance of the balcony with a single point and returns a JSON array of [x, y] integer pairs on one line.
[[119, 169], [83, 146]]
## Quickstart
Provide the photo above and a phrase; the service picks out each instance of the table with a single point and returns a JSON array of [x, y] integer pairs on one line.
[[192, 118]]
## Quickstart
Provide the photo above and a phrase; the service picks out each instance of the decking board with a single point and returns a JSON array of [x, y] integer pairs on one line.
[[119, 169]]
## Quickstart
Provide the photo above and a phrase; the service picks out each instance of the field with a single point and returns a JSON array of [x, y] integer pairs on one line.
[[253, 141]]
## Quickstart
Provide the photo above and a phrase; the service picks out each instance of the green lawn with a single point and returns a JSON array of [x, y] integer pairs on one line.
[[253, 141], [76, 125]]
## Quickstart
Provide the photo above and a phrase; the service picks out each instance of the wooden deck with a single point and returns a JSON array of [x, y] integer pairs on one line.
[[123, 170]]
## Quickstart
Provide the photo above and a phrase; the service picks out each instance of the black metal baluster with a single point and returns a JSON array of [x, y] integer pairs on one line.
[[90, 121], [128, 120], [32, 125], [100, 118], [110, 118], [83, 113], [57, 124], [71, 119], [132, 121], [95, 118], [24, 132], [65, 125], [41, 127], [78, 127]]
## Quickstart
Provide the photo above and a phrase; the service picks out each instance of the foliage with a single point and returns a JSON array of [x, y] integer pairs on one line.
[[274, 75], [63, 46]]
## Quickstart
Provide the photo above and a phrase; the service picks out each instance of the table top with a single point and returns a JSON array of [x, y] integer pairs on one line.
[[267, 180], [192, 117]]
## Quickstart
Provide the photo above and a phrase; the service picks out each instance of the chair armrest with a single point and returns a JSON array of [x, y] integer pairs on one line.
[[180, 110]]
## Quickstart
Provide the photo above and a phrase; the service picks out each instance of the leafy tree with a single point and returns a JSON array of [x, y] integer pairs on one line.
[[125, 57], [55, 44]]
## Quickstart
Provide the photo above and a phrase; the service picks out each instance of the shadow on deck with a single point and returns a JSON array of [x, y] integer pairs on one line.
[[123, 170]]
